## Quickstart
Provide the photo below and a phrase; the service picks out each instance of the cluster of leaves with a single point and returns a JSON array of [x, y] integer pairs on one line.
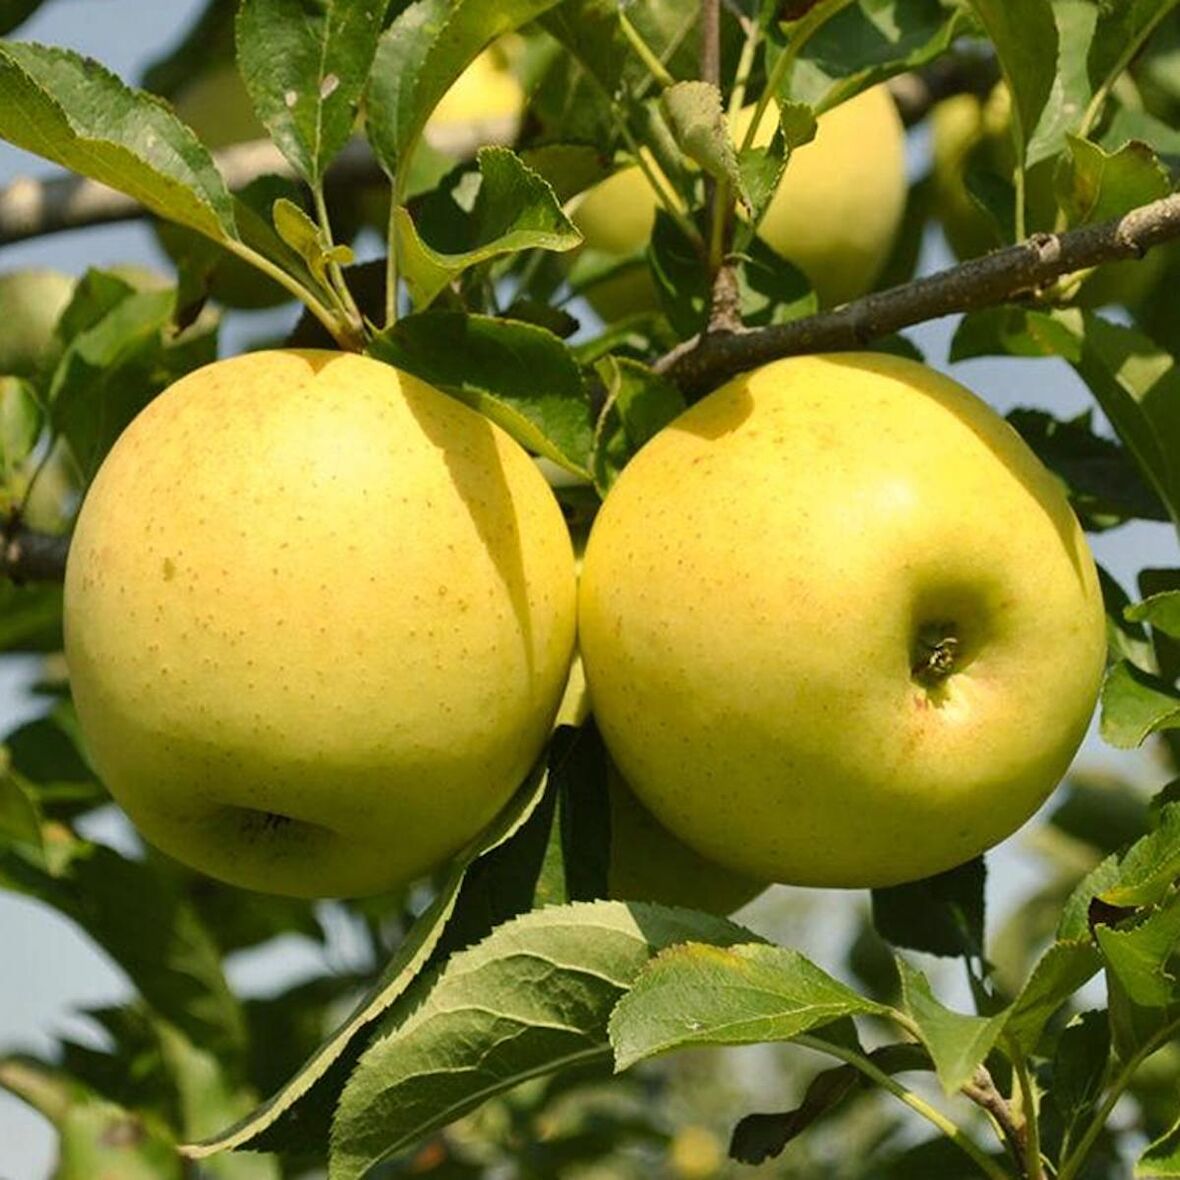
[[518, 968]]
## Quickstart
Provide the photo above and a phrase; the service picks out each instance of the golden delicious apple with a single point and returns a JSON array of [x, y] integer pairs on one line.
[[318, 620], [835, 214], [840, 626], [32, 302]]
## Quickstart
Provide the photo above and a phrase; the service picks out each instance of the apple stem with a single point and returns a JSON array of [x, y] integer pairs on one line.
[[936, 653]]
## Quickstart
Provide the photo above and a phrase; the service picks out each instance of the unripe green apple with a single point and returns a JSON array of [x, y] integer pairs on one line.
[[835, 214], [840, 626], [32, 302], [318, 621]]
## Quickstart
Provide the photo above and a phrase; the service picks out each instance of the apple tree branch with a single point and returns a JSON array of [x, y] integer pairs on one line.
[[707, 360]]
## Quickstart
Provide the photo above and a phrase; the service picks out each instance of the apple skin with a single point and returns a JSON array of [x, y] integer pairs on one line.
[[755, 594], [318, 621], [835, 214]]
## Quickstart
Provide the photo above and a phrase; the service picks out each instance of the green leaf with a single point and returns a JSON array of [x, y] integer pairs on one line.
[[1094, 184], [1026, 45], [590, 31], [208, 1099], [21, 420], [958, 1044], [1161, 611], [305, 67], [737, 995], [521, 376], [532, 999], [70, 110], [942, 915], [1076, 917], [109, 372], [639, 404], [1137, 955], [1136, 704], [297, 1113], [513, 209], [868, 43], [699, 126], [1125, 640], [1104, 484], [1059, 973], [20, 817], [30, 617], [418, 57], [1072, 87], [1161, 1160], [1137, 385], [1151, 866], [1079, 1069], [298, 231], [1120, 32]]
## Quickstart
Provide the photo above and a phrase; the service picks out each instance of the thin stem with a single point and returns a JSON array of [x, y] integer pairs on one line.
[[339, 286], [1021, 231], [344, 334], [1073, 1163], [1029, 1109], [745, 66], [920, 1106], [391, 275], [641, 47]]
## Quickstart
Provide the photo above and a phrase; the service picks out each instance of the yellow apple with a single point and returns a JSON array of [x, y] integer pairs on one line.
[[487, 91], [835, 214], [32, 302], [318, 621], [840, 626]]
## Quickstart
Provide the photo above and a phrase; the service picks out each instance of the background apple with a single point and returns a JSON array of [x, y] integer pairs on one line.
[[840, 626], [33, 301], [278, 670], [973, 134], [835, 214]]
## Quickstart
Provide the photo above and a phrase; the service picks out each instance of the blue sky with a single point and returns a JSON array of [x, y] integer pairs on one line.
[[47, 970]]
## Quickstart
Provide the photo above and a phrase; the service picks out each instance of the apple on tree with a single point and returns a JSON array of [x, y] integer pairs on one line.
[[835, 214], [840, 626], [318, 620]]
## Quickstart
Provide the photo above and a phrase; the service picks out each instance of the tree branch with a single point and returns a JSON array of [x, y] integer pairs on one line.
[[26, 556], [707, 360], [981, 1089]]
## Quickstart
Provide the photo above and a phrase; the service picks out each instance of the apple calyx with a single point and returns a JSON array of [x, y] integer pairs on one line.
[[935, 653]]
